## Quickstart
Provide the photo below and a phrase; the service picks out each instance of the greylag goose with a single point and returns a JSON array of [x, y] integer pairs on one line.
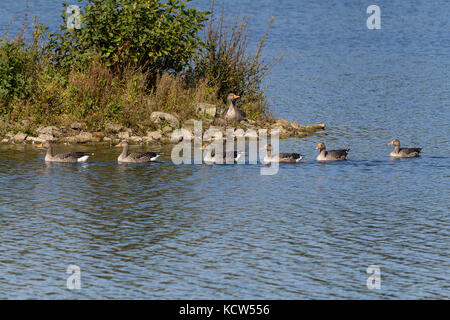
[[331, 155], [210, 155], [136, 157], [403, 152], [232, 113], [281, 157], [63, 157]]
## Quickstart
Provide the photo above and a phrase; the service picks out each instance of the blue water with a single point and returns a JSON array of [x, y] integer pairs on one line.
[[170, 232]]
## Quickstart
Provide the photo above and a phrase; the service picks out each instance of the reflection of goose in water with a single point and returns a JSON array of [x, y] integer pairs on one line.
[[210, 155], [331, 155], [63, 157], [403, 152], [136, 157], [281, 157], [232, 113]]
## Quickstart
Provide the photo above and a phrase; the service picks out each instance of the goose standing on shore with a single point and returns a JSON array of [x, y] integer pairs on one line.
[[136, 157], [210, 155], [281, 157], [63, 157], [232, 113], [403, 152], [331, 155]]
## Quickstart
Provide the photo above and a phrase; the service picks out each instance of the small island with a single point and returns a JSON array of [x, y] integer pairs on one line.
[[103, 79]]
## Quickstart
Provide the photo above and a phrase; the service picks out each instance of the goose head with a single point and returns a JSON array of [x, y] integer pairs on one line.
[[123, 143], [395, 143], [231, 97], [320, 146], [267, 147]]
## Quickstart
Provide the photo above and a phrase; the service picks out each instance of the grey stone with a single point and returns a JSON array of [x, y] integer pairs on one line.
[[19, 137], [50, 130], [158, 117], [77, 125], [154, 135], [206, 109], [124, 135], [113, 127]]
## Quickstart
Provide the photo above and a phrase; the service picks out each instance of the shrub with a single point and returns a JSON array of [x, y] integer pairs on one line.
[[150, 34], [19, 64], [227, 63]]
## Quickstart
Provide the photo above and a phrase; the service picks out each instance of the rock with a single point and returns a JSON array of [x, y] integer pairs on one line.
[[124, 135], [77, 125], [41, 138], [19, 137], [136, 139], [82, 137], [154, 135], [113, 127], [181, 134], [107, 139], [167, 129], [206, 109], [251, 134], [158, 117], [4, 140], [50, 131]]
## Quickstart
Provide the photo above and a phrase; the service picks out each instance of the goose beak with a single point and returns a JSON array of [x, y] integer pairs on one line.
[[40, 145], [118, 145], [264, 148], [318, 146], [203, 147], [390, 143], [236, 97]]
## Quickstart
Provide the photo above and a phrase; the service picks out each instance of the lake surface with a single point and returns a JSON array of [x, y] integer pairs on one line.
[[165, 231]]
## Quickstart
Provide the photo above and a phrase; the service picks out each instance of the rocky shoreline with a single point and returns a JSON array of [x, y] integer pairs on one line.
[[166, 124]]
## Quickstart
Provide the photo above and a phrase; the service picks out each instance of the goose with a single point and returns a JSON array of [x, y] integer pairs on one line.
[[281, 157], [232, 113], [211, 156], [331, 155], [135, 157], [63, 157], [403, 152]]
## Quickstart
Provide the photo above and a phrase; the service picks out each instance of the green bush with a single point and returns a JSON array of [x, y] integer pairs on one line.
[[151, 34], [15, 77]]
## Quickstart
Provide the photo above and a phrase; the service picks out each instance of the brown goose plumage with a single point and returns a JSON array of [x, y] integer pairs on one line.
[[136, 157], [232, 113], [403, 152], [63, 157], [281, 157], [331, 155]]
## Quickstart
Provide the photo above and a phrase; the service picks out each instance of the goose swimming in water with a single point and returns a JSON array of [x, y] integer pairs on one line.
[[403, 152], [331, 155], [232, 113], [63, 157], [136, 157], [281, 157], [210, 155]]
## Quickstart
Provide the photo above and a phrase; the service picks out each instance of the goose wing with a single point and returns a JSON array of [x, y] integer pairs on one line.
[[290, 156], [242, 114], [70, 155], [142, 156], [410, 151], [338, 154]]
